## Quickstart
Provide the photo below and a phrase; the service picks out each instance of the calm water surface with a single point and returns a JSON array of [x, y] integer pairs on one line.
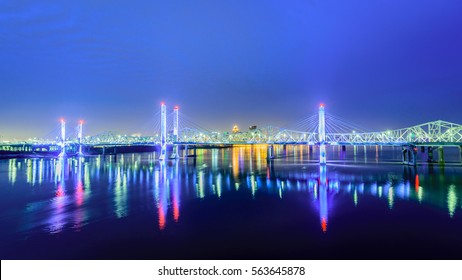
[[231, 203]]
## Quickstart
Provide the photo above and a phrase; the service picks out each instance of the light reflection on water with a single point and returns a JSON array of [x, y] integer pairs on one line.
[[57, 195]]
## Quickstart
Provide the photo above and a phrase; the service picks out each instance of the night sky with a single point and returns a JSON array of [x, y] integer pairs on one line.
[[380, 64]]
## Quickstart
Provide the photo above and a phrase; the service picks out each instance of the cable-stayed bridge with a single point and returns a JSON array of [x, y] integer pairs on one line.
[[174, 131]]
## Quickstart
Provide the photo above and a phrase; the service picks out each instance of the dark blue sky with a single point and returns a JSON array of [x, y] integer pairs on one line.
[[380, 64]]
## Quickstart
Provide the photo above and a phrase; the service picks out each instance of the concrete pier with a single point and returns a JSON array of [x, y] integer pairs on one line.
[[409, 155], [270, 152], [460, 153], [186, 151], [440, 155], [430, 154]]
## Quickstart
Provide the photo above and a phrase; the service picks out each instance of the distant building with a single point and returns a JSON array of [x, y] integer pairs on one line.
[[235, 129]]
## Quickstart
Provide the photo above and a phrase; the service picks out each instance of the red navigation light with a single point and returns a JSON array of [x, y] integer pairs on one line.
[[81, 122], [176, 107], [162, 103], [321, 105], [61, 120]]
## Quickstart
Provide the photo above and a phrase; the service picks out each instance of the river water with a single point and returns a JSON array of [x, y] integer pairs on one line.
[[232, 204]]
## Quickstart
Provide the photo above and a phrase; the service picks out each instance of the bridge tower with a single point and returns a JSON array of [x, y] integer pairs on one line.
[[79, 137], [163, 131], [175, 132], [322, 135], [63, 138]]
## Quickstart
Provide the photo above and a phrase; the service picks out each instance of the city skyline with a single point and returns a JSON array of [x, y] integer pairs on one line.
[[381, 66]]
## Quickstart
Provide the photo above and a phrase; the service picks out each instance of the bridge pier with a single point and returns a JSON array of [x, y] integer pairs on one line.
[[413, 153], [270, 170], [163, 152], [430, 154], [409, 155], [270, 152], [440, 155], [460, 153], [365, 154], [342, 153], [186, 151], [322, 154], [175, 154]]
